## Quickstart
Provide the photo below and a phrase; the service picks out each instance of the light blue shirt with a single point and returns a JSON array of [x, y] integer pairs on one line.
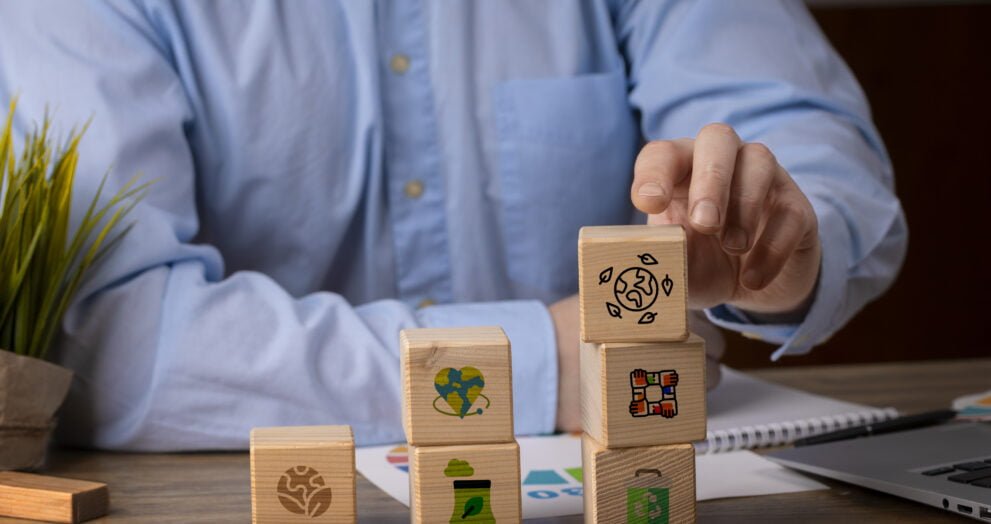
[[325, 168]]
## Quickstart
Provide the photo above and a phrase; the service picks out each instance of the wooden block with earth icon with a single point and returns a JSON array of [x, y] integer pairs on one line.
[[52, 499], [302, 474], [457, 385], [646, 485], [474, 483], [632, 283], [643, 394]]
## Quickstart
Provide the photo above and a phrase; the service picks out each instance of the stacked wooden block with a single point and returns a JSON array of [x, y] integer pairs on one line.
[[642, 376], [458, 417]]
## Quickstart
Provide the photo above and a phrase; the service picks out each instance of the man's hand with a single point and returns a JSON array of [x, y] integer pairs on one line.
[[753, 239]]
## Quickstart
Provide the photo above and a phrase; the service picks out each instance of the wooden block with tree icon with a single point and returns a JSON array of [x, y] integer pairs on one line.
[[473, 483], [645, 484], [52, 499], [302, 474], [457, 384], [632, 283], [643, 394]]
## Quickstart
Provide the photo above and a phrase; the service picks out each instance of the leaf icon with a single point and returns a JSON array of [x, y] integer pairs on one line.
[[605, 275], [614, 310], [667, 284], [473, 506], [647, 318], [647, 259]]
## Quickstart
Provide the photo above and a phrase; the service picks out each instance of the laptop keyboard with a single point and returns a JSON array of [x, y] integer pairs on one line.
[[976, 473]]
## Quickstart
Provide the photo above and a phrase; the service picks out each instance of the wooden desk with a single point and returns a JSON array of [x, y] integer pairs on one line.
[[212, 487]]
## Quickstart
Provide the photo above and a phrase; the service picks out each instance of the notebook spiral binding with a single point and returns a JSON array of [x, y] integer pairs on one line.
[[781, 433]]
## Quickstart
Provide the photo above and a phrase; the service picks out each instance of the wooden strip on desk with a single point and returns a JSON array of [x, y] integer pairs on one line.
[[54, 499]]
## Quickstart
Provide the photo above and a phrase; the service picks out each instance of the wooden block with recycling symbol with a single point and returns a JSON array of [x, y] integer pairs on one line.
[[647, 484], [302, 474], [643, 394], [632, 283], [457, 385], [474, 483]]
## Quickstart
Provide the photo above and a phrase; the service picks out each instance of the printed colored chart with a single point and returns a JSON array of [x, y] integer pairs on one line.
[[975, 407], [548, 488]]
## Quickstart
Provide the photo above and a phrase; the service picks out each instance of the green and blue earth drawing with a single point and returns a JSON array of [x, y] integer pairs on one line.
[[460, 388]]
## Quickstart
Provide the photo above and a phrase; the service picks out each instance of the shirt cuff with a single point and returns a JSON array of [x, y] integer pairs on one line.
[[530, 329], [820, 320]]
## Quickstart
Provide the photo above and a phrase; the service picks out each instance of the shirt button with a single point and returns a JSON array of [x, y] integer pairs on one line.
[[425, 303], [413, 189], [399, 64]]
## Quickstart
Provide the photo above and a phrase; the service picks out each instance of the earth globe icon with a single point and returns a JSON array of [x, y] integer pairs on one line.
[[636, 289]]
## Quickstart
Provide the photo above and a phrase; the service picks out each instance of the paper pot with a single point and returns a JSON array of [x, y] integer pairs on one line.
[[31, 391]]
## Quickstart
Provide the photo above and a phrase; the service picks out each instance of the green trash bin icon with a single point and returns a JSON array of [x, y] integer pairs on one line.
[[647, 498]]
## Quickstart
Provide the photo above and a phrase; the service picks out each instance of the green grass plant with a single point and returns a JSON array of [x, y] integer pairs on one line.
[[41, 265]]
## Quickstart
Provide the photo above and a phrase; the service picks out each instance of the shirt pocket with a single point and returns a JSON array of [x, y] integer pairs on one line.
[[565, 156]]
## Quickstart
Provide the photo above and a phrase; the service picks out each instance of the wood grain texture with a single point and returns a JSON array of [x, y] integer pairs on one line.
[[302, 474], [428, 418], [607, 391], [617, 482], [433, 493], [613, 261], [215, 487], [53, 499]]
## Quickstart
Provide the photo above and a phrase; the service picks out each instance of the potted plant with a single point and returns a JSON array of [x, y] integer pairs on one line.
[[41, 268]]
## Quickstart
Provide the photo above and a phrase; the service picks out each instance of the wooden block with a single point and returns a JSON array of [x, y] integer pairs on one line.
[[302, 474], [458, 386], [53, 499], [645, 485], [477, 483], [643, 394], [632, 283]]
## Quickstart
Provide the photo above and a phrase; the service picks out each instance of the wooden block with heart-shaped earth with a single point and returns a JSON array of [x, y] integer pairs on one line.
[[632, 283], [457, 384], [302, 474]]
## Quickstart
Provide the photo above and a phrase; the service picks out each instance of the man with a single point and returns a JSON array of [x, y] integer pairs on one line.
[[332, 172]]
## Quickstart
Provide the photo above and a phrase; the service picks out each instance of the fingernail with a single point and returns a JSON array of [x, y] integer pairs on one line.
[[650, 189], [706, 214], [752, 279], [735, 239]]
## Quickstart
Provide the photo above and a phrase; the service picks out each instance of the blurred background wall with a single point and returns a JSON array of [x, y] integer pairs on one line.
[[926, 69]]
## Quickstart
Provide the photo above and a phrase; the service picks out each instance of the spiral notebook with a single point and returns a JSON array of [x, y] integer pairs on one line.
[[746, 413]]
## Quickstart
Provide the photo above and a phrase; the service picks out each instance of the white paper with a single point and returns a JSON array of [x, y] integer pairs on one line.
[[746, 474], [549, 487], [741, 400]]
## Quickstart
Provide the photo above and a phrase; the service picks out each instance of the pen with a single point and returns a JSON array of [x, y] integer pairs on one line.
[[929, 418]]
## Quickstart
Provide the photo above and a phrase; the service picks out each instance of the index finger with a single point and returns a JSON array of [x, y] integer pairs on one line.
[[660, 166]]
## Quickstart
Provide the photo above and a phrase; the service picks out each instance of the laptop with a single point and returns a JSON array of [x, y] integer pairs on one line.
[[946, 466]]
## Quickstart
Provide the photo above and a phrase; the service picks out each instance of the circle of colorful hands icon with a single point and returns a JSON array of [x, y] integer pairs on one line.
[[303, 491], [460, 388], [636, 289]]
